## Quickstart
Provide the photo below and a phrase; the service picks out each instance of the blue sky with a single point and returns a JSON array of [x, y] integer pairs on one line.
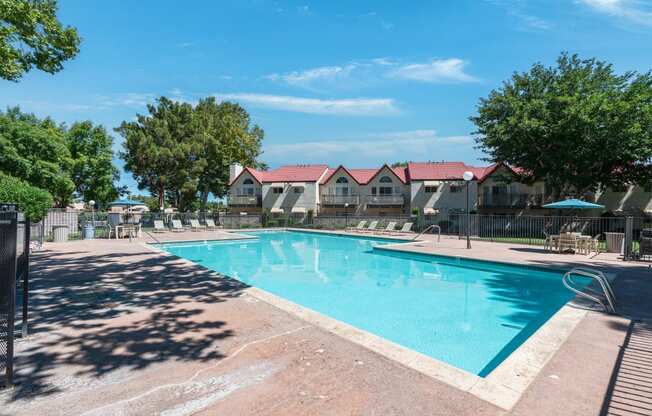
[[358, 83]]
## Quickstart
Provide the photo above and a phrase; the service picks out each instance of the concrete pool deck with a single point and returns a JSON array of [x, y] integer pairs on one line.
[[118, 328]]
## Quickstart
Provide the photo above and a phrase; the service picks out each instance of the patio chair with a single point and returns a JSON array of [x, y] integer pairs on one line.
[[550, 242], [594, 244], [210, 224], [360, 226], [406, 228], [371, 228], [177, 226], [159, 227], [391, 226], [567, 242], [195, 226]]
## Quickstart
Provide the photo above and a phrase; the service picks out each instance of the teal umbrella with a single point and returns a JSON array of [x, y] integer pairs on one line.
[[572, 204]]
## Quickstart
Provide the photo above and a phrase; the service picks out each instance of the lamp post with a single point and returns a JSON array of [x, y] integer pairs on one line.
[[346, 215], [92, 204], [468, 176]]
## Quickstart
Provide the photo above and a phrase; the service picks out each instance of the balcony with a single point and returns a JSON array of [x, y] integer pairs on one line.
[[245, 200], [340, 199], [385, 200], [510, 200]]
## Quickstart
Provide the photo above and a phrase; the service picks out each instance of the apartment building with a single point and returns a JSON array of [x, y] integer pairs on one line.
[[426, 187]]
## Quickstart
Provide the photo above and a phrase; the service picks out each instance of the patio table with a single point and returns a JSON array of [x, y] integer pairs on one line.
[[122, 228]]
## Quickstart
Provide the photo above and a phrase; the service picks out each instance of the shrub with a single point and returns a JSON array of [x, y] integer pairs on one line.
[[32, 201]]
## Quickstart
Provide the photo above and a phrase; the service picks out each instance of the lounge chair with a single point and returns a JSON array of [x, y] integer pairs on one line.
[[360, 226], [210, 224], [195, 226], [371, 228], [391, 226], [159, 227], [406, 228], [177, 226]]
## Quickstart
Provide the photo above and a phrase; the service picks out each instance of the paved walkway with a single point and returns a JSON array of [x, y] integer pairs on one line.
[[120, 329]]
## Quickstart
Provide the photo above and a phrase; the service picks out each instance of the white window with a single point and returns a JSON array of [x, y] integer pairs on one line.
[[431, 189], [455, 188], [277, 190], [385, 179], [298, 190]]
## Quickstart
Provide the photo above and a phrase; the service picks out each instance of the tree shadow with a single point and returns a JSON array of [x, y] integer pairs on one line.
[[83, 310]]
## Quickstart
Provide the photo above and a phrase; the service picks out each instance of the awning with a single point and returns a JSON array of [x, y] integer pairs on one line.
[[298, 210], [431, 183], [276, 211], [298, 184], [278, 185], [430, 211]]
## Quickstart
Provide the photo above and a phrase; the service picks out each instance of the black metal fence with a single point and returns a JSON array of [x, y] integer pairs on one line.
[[14, 271]]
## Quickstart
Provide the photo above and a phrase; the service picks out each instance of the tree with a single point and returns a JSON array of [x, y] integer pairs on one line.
[[223, 136], [157, 149], [577, 126], [182, 153], [400, 164], [93, 172], [32, 201], [31, 36], [36, 151]]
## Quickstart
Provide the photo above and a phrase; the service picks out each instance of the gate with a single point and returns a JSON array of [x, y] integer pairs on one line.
[[14, 269]]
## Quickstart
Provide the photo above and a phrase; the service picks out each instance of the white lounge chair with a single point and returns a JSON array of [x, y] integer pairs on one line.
[[177, 226], [370, 229], [391, 226], [210, 224], [195, 226], [360, 226], [159, 227], [407, 228]]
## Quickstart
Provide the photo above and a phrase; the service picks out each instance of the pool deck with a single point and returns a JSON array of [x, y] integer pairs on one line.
[[118, 328]]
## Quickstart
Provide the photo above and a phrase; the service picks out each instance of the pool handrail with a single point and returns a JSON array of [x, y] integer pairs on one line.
[[606, 299]]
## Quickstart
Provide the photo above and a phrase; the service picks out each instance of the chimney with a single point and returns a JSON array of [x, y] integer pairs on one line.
[[234, 170]]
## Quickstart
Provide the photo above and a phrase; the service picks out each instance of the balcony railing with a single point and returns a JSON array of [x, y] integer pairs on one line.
[[510, 200], [253, 200], [340, 199], [385, 200]]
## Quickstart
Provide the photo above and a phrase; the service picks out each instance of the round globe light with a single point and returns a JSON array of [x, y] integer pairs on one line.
[[91, 202], [468, 176]]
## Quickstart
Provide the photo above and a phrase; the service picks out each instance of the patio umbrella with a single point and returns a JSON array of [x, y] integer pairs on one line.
[[572, 204]]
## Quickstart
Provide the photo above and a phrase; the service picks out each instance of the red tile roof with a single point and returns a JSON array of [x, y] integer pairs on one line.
[[440, 170], [259, 175], [296, 173]]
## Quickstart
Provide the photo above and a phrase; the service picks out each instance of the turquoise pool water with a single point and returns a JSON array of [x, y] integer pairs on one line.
[[468, 313]]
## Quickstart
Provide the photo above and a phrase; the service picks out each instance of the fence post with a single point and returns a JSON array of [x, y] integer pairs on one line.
[[629, 237], [25, 265], [8, 237]]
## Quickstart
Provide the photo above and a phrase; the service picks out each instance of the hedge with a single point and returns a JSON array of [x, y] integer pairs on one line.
[[32, 201]]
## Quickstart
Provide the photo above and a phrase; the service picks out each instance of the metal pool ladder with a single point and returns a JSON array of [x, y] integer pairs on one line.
[[605, 298], [430, 227]]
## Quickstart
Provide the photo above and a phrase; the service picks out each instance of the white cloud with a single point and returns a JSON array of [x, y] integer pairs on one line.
[[350, 106], [368, 149], [526, 21], [130, 99], [371, 72], [306, 77], [435, 71], [635, 11]]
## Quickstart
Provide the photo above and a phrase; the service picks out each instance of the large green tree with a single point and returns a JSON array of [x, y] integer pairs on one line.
[[182, 153], [157, 149], [578, 126], [31, 36], [92, 171], [36, 151], [223, 136]]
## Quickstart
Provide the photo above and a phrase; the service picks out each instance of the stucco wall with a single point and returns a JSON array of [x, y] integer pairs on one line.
[[289, 199], [236, 187], [443, 199]]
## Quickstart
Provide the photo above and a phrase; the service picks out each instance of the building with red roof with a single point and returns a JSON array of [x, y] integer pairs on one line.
[[427, 187]]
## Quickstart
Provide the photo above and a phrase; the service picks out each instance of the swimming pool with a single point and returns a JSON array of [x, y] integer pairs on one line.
[[468, 313]]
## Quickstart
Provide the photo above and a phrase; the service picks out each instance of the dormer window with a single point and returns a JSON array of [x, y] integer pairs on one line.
[[385, 179]]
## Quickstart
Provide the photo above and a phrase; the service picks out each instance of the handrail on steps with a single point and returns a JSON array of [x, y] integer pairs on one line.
[[432, 226], [606, 299]]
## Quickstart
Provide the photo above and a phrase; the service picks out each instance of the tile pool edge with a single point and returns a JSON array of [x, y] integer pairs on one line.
[[503, 387]]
